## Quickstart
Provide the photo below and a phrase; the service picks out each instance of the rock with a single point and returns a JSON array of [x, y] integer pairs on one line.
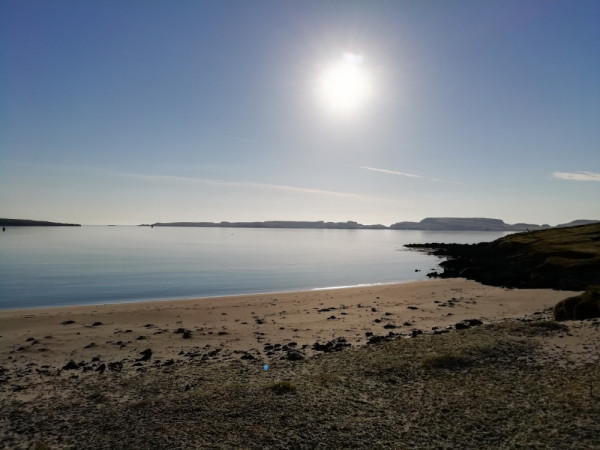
[[331, 318], [412, 308], [389, 326], [90, 345], [71, 365], [580, 307], [146, 355], [467, 323], [334, 345], [294, 355], [116, 366], [67, 322], [187, 334], [97, 324]]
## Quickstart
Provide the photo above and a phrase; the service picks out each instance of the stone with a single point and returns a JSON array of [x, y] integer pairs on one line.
[[146, 355], [294, 355], [71, 365], [579, 307]]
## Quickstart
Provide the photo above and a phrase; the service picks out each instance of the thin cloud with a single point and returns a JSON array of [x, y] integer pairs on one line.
[[409, 175], [244, 184], [391, 172], [577, 176], [441, 180]]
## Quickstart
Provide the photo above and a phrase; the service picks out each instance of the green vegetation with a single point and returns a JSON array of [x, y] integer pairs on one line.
[[557, 258]]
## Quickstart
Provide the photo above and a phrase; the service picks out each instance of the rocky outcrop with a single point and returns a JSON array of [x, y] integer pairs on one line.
[[464, 224], [558, 258], [580, 307], [33, 223]]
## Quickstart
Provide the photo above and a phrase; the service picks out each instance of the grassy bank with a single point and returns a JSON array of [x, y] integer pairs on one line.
[[487, 387]]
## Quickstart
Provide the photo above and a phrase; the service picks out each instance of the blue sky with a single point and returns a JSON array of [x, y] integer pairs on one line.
[[134, 112]]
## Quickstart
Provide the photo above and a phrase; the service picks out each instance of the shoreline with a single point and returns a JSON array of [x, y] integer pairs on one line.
[[262, 327], [210, 297]]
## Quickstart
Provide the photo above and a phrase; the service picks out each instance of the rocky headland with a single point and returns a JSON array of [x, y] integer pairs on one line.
[[34, 223], [557, 258]]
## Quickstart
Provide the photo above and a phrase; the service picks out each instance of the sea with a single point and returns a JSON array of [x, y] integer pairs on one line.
[[61, 266]]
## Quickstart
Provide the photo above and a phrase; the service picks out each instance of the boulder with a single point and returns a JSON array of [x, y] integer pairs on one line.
[[580, 307]]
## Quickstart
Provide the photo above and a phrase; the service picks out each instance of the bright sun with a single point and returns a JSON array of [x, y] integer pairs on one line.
[[345, 86]]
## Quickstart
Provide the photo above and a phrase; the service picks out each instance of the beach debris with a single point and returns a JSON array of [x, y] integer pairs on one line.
[[266, 367]]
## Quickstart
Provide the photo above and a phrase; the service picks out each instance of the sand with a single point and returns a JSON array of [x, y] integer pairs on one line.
[[231, 327]]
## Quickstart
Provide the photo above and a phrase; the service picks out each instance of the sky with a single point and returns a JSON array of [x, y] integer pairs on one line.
[[379, 111]]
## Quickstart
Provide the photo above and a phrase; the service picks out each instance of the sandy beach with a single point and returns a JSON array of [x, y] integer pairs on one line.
[[190, 373], [256, 326]]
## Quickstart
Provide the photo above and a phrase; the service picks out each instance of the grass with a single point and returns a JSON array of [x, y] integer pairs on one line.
[[486, 387], [282, 387]]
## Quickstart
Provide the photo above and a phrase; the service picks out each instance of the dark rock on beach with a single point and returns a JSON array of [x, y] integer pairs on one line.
[[580, 307], [71, 365]]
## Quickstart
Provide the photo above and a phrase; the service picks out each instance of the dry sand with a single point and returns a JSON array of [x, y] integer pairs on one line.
[[230, 327]]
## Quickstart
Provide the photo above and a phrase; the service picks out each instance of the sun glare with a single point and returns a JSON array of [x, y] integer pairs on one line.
[[345, 86]]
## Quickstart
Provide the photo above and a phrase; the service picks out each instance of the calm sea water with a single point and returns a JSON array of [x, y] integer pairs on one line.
[[53, 266]]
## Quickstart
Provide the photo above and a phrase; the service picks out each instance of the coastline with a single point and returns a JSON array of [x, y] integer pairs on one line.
[[265, 371], [234, 326]]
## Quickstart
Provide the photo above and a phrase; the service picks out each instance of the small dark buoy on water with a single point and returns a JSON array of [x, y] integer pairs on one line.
[[3, 229]]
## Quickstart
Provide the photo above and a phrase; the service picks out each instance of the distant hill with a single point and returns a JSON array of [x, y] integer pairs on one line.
[[34, 223], [428, 224], [577, 223], [464, 224], [275, 224]]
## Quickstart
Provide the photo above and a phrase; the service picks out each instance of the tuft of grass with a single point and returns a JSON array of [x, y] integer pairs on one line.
[[548, 325], [447, 361], [282, 387]]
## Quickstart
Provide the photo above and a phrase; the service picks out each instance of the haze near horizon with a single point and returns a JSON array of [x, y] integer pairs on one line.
[[378, 112]]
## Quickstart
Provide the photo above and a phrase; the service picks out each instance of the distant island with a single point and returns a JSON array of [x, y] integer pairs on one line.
[[428, 224], [34, 223]]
